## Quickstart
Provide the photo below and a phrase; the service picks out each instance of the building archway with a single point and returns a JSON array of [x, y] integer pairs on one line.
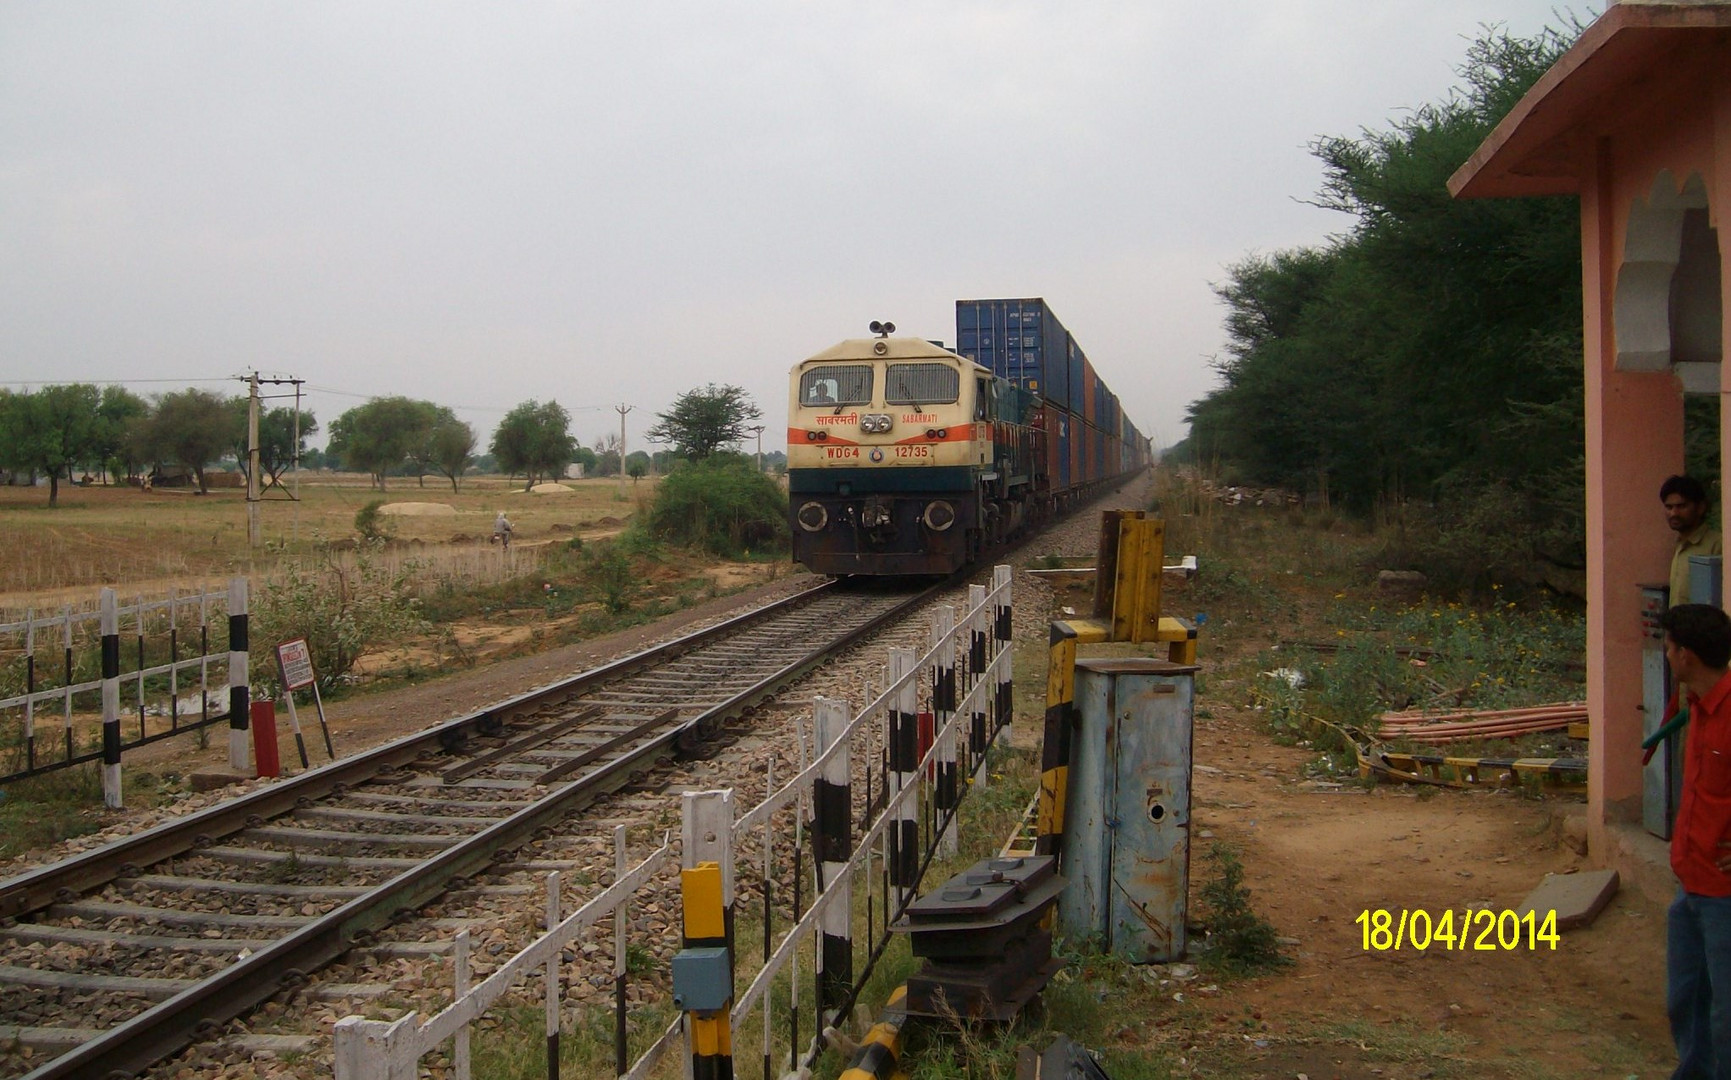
[[1667, 309]]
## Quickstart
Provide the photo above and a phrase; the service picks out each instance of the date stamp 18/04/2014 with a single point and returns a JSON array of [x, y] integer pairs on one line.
[[1480, 929]]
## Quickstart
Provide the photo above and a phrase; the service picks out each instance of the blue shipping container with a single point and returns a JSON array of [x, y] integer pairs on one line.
[[1076, 362], [1020, 340]]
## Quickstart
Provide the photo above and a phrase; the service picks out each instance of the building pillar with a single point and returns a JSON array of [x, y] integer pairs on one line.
[[1634, 423]]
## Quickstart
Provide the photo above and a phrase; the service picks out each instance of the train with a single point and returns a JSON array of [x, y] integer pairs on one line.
[[907, 458]]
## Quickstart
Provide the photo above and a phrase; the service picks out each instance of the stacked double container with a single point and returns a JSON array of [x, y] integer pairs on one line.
[[1022, 341]]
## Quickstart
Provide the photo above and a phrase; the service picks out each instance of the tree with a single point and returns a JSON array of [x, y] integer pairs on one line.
[[379, 436], [637, 464], [704, 420], [277, 445], [1430, 351], [118, 410], [51, 430], [450, 447], [535, 440], [189, 427], [606, 455]]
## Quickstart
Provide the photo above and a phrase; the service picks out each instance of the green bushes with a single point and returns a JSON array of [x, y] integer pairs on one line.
[[340, 606], [722, 506], [1241, 942], [371, 522]]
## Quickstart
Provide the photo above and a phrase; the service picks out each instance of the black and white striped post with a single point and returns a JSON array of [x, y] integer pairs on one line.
[[1002, 628], [904, 754], [550, 982], [110, 700], [832, 805], [943, 711], [978, 629], [30, 688], [239, 692]]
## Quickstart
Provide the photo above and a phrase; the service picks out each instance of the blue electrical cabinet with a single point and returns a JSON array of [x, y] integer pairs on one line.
[[1127, 822]]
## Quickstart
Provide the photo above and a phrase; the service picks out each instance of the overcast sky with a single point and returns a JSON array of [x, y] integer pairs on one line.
[[607, 203]]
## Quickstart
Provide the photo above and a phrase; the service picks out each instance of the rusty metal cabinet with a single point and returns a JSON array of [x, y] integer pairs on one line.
[[1127, 829]]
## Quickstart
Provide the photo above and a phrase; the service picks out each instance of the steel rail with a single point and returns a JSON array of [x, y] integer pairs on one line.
[[171, 1025]]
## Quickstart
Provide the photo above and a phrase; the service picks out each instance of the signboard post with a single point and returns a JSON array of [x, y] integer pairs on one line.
[[295, 661]]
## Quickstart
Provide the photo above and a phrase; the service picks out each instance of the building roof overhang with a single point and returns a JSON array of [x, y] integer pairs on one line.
[[1535, 150]]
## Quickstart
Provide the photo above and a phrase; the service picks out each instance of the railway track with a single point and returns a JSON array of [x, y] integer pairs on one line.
[[119, 957]]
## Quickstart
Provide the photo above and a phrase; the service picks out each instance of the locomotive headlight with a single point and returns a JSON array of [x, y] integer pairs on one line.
[[875, 423], [812, 517], [939, 515]]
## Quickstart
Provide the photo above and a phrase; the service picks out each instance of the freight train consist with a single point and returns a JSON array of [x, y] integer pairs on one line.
[[907, 458]]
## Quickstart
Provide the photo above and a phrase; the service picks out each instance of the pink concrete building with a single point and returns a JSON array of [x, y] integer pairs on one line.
[[1635, 119]]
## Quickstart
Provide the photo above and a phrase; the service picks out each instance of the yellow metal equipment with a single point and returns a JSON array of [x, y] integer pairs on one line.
[[1127, 580]]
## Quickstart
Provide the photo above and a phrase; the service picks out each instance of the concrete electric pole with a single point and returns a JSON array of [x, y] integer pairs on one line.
[[757, 429], [252, 492], [622, 410]]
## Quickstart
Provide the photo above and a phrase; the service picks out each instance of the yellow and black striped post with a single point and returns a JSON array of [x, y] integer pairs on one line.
[[706, 900], [879, 1056], [706, 927]]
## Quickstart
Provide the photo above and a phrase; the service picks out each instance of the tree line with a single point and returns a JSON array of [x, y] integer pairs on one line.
[[66, 431], [1432, 351]]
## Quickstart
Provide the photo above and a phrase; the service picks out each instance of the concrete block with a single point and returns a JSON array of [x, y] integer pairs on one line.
[[1576, 898], [215, 778]]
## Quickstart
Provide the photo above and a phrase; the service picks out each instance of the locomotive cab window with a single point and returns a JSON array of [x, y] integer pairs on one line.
[[922, 384], [983, 399], [836, 384]]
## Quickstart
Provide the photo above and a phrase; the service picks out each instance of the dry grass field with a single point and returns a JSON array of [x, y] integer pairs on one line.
[[145, 543]]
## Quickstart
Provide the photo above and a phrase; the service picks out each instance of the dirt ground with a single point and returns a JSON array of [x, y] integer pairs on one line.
[[1315, 857]]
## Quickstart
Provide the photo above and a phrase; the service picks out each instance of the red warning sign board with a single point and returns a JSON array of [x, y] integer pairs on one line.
[[295, 661]]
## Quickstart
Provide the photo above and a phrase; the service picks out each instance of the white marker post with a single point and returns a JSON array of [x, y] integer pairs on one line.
[[295, 661]]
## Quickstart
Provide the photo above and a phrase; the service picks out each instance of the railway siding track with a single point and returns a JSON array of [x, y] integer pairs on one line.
[[151, 942]]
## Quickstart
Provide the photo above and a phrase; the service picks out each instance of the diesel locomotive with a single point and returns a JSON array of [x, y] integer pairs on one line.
[[905, 458]]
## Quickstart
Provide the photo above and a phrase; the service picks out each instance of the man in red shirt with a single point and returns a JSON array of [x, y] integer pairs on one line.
[[1698, 928]]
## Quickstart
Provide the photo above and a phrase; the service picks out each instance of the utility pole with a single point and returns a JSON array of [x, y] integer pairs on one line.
[[757, 429], [252, 492], [622, 410], [295, 462], [254, 484]]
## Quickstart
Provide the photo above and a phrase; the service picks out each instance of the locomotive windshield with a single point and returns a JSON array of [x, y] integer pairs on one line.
[[922, 384], [836, 384]]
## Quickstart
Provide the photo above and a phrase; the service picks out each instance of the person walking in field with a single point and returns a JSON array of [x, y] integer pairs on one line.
[[1698, 925], [502, 531]]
